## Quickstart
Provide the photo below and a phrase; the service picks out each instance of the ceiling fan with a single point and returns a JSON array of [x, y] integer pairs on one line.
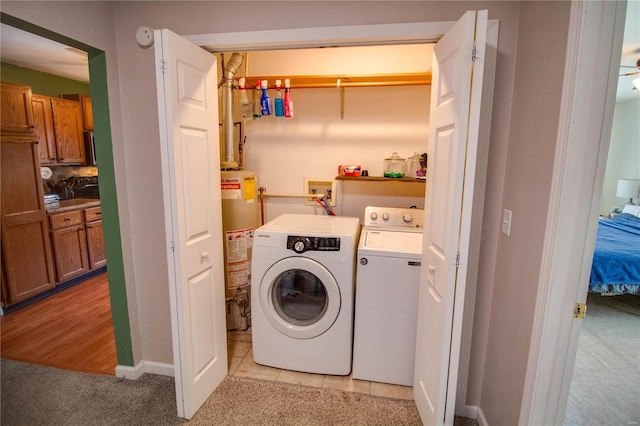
[[636, 67], [636, 81]]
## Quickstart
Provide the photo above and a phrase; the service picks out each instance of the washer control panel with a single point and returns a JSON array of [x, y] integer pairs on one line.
[[300, 244], [393, 218]]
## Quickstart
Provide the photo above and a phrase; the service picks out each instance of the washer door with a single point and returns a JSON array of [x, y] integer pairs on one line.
[[300, 297]]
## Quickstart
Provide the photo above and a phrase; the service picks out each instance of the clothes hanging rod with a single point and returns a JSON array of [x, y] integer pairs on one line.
[[318, 81]]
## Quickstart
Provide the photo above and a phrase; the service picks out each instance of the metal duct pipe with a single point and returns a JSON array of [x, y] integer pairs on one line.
[[230, 70]]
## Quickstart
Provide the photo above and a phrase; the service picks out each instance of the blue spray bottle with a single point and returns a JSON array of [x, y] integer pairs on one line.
[[265, 102]]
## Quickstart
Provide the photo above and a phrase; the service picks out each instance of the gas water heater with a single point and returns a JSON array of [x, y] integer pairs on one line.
[[240, 217]]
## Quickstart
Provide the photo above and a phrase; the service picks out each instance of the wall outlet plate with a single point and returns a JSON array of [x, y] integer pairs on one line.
[[320, 186]]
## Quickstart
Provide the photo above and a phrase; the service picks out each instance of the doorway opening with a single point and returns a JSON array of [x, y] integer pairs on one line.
[[102, 136]]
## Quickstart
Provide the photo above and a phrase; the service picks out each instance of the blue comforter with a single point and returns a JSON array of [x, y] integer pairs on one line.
[[616, 260]]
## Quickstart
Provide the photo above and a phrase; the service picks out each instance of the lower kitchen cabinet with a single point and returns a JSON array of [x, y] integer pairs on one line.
[[95, 237], [69, 244], [78, 242]]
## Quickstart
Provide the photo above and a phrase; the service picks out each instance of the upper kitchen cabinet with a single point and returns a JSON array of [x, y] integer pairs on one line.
[[67, 125], [87, 110], [43, 121], [361, 66], [17, 116], [58, 124]]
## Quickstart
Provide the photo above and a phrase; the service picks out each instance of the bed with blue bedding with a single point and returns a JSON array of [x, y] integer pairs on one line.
[[616, 259]]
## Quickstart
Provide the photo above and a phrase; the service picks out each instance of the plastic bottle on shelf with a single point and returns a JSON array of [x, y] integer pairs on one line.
[[257, 108], [288, 101], [245, 103], [279, 103], [265, 102]]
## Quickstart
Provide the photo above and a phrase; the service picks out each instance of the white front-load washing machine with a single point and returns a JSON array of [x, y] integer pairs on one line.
[[302, 293], [386, 307]]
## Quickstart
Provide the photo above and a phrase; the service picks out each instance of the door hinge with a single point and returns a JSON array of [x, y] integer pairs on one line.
[[172, 246], [473, 53], [163, 65], [457, 260], [579, 310]]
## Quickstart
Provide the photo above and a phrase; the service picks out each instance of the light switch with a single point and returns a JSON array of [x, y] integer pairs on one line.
[[506, 222]]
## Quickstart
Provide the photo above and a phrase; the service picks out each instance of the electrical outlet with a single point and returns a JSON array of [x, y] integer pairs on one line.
[[320, 186]]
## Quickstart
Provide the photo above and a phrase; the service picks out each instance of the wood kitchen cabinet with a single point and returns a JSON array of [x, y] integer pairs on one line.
[[69, 244], [58, 126], [87, 109], [95, 237], [27, 263], [67, 127], [16, 112], [43, 122]]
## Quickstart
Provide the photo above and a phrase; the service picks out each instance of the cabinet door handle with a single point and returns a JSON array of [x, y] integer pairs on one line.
[[67, 220], [205, 254]]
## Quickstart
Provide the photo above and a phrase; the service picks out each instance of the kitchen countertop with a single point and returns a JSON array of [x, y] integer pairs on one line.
[[72, 204]]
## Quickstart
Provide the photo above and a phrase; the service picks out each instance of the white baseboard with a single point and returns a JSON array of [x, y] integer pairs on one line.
[[482, 420], [158, 368], [135, 372], [131, 373], [475, 412]]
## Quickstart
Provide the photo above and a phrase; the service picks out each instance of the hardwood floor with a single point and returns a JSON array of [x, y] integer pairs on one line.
[[71, 330]]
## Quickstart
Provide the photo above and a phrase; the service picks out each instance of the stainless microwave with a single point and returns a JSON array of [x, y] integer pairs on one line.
[[90, 148]]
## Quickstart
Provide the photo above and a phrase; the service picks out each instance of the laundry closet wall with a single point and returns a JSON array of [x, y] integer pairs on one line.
[[377, 121]]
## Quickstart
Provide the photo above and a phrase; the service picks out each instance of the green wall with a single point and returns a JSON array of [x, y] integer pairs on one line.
[[42, 83]]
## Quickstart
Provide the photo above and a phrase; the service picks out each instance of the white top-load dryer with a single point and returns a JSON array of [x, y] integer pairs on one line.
[[302, 288], [386, 308]]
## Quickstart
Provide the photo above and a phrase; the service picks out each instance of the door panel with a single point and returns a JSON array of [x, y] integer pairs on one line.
[[188, 113], [437, 345]]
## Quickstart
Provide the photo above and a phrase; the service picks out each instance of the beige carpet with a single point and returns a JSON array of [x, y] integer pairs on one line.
[[605, 389], [35, 395], [240, 401]]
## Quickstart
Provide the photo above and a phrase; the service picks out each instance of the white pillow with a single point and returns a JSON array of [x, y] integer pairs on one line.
[[632, 210]]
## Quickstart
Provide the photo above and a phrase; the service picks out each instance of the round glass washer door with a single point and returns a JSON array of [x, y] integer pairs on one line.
[[300, 297]]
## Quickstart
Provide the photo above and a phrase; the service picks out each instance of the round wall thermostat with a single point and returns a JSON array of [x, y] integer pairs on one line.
[[45, 172]]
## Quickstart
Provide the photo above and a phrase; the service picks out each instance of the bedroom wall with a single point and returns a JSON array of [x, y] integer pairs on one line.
[[623, 161], [521, 153]]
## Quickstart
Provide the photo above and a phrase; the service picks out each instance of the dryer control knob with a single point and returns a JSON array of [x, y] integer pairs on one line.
[[407, 218], [385, 216], [301, 245], [374, 215], [364, 261]]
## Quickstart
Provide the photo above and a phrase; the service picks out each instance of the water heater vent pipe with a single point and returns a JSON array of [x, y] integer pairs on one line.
[[230, 70]]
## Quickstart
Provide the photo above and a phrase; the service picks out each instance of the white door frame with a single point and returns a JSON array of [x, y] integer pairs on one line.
[[588, 99], [421, 32]]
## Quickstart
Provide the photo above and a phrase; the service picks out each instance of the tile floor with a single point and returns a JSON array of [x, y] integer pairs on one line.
[[241, 364]]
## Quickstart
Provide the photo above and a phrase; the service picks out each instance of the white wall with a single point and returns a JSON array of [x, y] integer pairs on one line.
[[623, 161], [377, 121]]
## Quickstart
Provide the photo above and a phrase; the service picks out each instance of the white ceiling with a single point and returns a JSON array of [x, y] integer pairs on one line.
[[630, 53], [27, 50]]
